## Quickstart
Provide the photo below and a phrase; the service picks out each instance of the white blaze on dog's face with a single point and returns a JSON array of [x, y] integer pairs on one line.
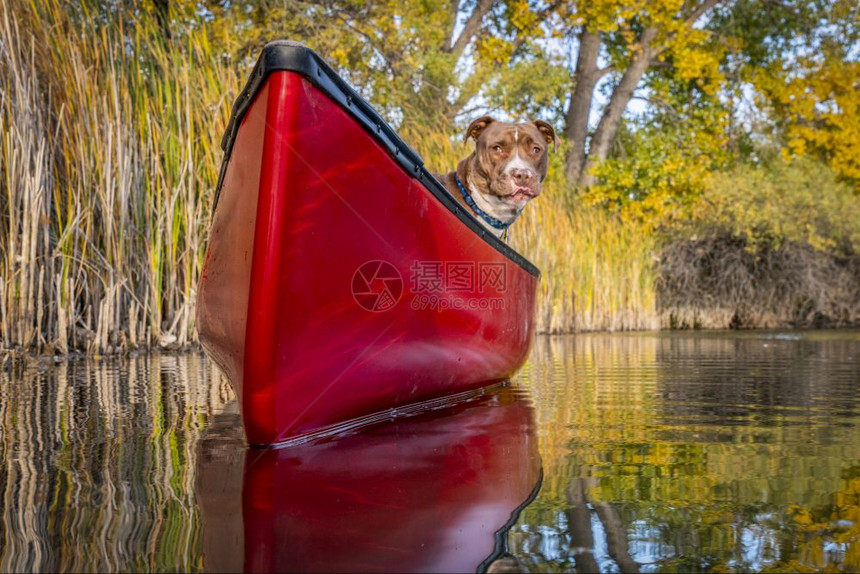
[[510, 162]]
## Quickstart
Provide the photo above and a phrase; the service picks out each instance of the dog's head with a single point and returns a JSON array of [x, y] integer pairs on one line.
[[510, 160]]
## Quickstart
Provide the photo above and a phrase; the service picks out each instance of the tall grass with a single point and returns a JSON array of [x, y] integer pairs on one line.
[[598, 273], [109, 157]]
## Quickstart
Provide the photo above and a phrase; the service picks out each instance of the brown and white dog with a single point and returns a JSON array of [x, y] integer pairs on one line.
[[504, 172]]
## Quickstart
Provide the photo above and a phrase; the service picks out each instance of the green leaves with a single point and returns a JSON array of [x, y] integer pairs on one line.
[[797, 201]]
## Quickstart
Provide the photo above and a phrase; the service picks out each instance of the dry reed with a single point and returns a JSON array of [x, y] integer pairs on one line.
[[109, 148]]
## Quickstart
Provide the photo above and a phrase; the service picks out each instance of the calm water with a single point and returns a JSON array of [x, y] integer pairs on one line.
[[613, 453]]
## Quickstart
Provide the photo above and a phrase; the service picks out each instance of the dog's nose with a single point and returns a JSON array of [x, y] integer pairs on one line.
[[522, 176]]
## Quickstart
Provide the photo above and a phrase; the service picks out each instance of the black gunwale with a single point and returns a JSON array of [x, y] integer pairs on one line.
[[285, 55]]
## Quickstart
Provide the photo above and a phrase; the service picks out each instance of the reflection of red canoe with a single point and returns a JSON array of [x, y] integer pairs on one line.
[[341, 279], [431, 493]]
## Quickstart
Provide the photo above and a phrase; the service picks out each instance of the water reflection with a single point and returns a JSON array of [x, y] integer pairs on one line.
[[725, 452], [718, 451], [98, 464], [431, 493]]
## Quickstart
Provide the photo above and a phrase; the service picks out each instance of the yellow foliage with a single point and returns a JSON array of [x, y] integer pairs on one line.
[[522, 17], [340, 57], [495, 50], [656, 181], [820, 102]]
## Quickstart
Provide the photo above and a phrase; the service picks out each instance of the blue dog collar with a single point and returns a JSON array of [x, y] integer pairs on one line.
[[498, 224]]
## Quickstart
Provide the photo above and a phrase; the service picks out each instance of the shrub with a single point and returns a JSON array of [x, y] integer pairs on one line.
[[800, 201]]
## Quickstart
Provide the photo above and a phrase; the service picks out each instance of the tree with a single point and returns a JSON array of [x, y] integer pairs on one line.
[[420, 61], [635, 37], [810, 89], [441, 60], [438, 62]]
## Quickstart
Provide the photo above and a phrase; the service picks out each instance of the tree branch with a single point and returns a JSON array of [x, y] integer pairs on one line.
[[578, 164], [452, 24], [603, 71], [701, 9], [473, 24], [390, 59], [520, 40]]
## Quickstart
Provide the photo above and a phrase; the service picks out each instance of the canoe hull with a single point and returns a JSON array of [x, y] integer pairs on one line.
[[337, 284]]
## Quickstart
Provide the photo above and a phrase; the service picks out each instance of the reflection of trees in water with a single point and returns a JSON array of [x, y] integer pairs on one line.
[[660, 451], [690, 453], [98, 463], [579, 514]]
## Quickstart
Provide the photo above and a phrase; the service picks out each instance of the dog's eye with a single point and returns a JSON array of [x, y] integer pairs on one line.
[[536, 149], [497, 148]]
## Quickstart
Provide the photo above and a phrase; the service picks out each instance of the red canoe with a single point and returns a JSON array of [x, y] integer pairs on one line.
[[341, 279]]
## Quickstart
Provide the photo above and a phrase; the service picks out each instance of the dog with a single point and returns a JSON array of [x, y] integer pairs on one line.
[[504, 172]]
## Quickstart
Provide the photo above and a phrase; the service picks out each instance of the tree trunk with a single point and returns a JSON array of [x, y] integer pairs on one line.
[[604, 136], [585, 79]]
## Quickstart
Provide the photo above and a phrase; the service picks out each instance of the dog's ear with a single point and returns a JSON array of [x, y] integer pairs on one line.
[[548, 132], [476, 127]]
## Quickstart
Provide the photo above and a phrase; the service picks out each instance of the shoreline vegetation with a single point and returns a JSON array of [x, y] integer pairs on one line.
[[109, 156]]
